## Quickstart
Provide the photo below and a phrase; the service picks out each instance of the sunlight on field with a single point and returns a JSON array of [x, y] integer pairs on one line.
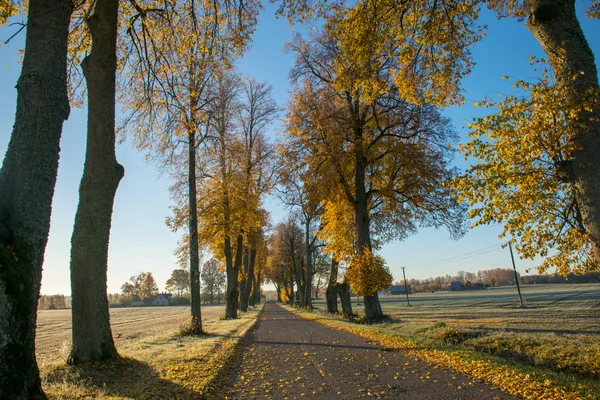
[[556, 336], [564, 309], [155, 363]]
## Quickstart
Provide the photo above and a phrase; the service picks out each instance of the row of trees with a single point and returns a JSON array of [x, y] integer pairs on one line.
[[369, 145], [51, 302], [143, 285], [179, 36]]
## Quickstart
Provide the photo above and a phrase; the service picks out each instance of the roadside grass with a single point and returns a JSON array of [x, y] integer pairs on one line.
[[165, 365], [550, 350]]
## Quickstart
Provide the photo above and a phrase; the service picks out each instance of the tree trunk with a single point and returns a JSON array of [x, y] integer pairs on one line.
[[373, 310], [555, 25], [343, 289], [291, 294], [307, 302], [27, 181], [278, 288], [232, 291], [92, 338], [331, 293], [255, 295], [247, 286], [193, 231]]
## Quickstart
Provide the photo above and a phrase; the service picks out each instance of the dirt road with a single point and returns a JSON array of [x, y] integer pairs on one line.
[[291, 357]]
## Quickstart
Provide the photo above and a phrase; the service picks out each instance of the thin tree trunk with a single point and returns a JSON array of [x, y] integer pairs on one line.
[[232, 291], [247, 286], [555, 25], [92, 337], [291, 294], [331, 293], [307, 301], [27, 181], [278, 288], [257, 292]]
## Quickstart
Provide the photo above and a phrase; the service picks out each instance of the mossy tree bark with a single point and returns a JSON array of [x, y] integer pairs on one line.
[[92, 337], [27, 181], [555, 25]]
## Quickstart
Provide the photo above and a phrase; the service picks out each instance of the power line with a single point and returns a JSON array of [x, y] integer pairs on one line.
[[459, 257]]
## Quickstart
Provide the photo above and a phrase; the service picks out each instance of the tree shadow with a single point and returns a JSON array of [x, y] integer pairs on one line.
[[124, 377]]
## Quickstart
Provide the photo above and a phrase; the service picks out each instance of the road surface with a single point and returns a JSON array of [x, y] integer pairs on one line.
[[287, 356]]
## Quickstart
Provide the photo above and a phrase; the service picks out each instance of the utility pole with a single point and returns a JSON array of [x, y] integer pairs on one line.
[[516, 275], [405, 286]]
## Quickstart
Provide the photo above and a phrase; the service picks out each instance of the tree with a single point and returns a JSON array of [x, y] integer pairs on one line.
[[382, 161], [555, 26], [27, 181], [179, 282], [186, 48], [132, 289], [256, 111], [91, 335], [443, 32], [521, 177], [148, 288], [297, 195], [213, 279], [283, 266]]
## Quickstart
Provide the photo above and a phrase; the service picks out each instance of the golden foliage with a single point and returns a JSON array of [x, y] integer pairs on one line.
[[11, 8], [522, 176], [368, 274]]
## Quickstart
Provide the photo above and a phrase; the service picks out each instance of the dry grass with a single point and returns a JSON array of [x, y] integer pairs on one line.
[[156, 362], [556, 338]]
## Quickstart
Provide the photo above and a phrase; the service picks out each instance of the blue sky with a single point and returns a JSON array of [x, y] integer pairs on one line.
[[140, 240]]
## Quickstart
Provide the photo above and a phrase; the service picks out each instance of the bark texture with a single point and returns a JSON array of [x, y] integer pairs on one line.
[[193, 231], [92, 337], [343, 289], [373, 310], [27, 181], [555, 25]]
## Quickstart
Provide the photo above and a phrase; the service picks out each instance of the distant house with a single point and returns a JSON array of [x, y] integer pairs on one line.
[[456, 285], [138, 303], [400, 289], [163, 299]]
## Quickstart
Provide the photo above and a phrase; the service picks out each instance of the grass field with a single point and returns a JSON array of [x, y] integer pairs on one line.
[[130, 328], [560, 309], [156, 362], [555, 338]]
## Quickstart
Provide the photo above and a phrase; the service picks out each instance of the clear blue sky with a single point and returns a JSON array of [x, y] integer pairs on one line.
[[140, 240]]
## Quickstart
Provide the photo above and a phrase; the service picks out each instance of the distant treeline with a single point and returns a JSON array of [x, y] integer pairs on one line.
[[494, 278], [52, 302], [590, 277]]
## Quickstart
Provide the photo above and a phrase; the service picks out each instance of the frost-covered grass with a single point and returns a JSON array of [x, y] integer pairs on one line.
[[157, 362], [554, 341]]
